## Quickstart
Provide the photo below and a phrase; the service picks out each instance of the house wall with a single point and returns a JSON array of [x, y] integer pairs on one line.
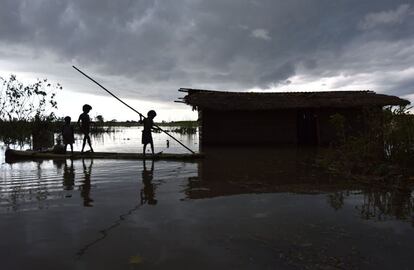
[[248, 127], [274, 127]]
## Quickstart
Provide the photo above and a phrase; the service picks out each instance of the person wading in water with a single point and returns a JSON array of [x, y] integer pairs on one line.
[[146, 132], [85, 125]]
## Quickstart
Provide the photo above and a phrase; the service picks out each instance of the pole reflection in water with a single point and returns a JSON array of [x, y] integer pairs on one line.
[[85, 188], [148, 191], [147, 195]]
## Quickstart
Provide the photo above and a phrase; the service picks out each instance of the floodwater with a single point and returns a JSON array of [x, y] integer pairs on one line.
[[236, 209]]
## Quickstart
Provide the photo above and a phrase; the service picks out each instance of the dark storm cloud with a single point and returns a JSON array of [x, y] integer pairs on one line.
[[159, 46]]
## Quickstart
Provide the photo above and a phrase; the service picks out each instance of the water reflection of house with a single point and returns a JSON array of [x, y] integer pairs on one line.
[[225, 172], [256, 170], [280, 118]]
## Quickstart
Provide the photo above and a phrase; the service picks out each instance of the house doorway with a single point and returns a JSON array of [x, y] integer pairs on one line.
[[307, 127]]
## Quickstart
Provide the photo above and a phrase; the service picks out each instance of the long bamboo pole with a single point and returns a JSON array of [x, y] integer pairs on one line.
[[120, 100]]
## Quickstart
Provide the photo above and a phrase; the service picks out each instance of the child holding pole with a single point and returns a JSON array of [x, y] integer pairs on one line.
[[146, 132]]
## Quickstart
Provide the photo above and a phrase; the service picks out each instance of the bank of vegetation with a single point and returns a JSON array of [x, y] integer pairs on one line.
[[383, 152]]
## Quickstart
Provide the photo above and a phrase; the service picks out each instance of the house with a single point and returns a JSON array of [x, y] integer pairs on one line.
[[295, 118]]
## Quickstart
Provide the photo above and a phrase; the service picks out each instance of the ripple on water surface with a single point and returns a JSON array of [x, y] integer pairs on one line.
[[238, 209], [27, 184]]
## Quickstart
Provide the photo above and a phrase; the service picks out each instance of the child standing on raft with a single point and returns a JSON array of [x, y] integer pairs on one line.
[[146, 132], [85, 125], [68, 134]]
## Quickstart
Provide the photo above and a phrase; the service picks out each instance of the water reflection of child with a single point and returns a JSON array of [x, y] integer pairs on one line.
[[86, 185], [68, 176], [148, 191], [85, 124], [146, 132], [68, 134]]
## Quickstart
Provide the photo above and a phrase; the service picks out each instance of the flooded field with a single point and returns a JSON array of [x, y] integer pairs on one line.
[[236, 209]]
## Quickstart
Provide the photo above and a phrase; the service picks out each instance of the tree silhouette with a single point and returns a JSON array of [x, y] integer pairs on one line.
[[23, 102], [99, 119]]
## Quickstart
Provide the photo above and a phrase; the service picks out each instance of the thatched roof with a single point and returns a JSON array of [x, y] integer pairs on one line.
[[221, 100]]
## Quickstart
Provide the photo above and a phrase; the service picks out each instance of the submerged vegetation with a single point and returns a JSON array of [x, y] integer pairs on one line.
[[21, 132], [383, 152]]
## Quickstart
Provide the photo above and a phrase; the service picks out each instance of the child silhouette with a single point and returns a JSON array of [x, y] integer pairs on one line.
[[84, 122], [68, 134], [146, 132]]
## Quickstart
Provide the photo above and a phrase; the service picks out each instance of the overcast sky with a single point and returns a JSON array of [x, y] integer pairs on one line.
[[145, 50]]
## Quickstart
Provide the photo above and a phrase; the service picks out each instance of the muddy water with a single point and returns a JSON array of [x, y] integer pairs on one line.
[[236, 209]]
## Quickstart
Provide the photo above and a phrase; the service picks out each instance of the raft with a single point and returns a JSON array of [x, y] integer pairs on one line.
[[16, 155]]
